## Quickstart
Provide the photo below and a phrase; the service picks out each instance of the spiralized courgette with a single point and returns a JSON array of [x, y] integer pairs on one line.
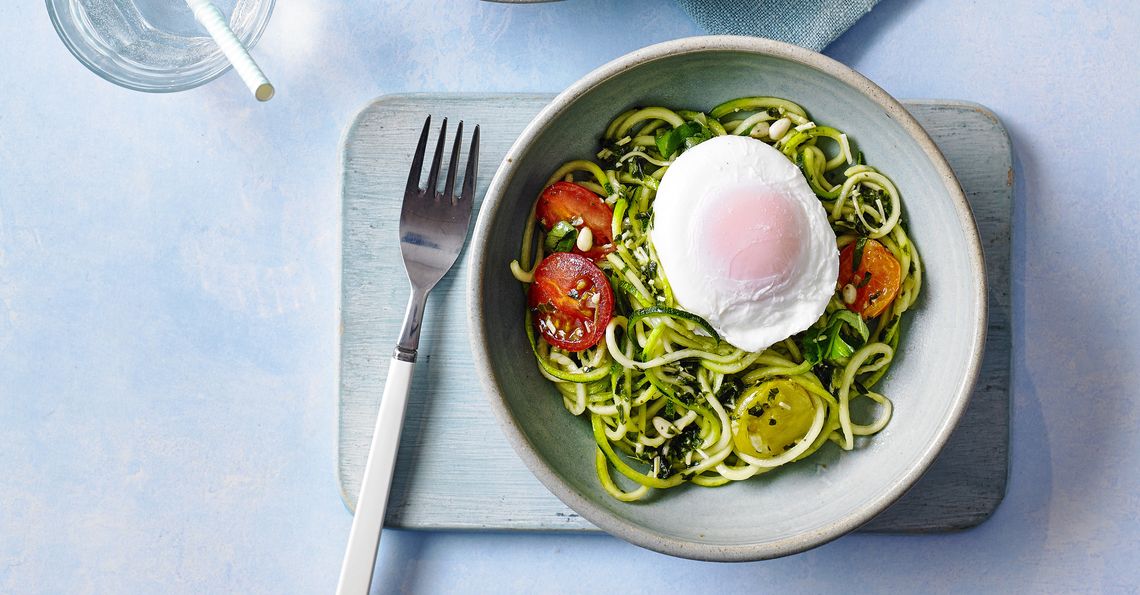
[[670, 403]]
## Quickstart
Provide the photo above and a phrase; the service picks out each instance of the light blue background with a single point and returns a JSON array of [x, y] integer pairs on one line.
[[169, 285]]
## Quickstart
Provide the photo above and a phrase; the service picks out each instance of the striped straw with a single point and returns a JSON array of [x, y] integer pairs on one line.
[[215, 23]]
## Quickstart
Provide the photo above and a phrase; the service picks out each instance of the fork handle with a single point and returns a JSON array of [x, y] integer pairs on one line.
[[364, 538]]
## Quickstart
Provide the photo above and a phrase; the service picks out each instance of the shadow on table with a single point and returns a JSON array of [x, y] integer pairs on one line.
[[850, 47]]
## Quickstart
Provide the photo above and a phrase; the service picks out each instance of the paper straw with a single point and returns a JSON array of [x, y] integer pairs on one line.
[[215, 23]]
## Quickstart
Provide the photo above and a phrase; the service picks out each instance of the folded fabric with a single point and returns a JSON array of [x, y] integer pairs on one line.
[[812, 24]]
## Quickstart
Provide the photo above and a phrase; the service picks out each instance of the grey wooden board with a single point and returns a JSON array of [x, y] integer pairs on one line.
[[456, 469]]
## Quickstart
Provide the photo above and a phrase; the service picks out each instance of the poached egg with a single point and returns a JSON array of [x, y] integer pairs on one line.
[[744, 242]]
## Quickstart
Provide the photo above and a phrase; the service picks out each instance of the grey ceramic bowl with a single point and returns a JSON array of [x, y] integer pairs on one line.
[[822, 497]]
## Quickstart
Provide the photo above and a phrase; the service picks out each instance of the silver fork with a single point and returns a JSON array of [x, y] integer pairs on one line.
[[433, 227]]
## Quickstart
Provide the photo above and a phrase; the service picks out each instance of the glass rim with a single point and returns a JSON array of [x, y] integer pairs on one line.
[[100, 60]]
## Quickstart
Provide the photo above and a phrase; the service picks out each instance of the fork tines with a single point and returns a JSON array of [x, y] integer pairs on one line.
[[468, 188]]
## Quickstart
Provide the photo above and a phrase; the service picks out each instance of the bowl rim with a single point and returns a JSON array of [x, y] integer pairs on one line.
[[599, 516]]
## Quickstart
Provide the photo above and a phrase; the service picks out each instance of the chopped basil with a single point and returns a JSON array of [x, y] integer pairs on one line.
[[614, 152], [561, 237], [688, 439], [857, 258], [729, 391], [835, 341], [687, 135], [633, 168]]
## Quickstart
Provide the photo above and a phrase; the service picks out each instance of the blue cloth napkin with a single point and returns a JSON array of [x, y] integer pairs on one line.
[[812, 24]]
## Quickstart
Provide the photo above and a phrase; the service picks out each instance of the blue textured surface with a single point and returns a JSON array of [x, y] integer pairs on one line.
[[811, 24], [168, 290]]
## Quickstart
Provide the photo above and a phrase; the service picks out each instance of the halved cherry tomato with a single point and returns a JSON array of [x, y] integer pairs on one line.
[[567, 201], [571, 301], [772, 417], [876, 279]]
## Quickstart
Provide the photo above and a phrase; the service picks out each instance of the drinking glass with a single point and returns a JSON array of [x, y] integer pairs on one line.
[[152, 45]]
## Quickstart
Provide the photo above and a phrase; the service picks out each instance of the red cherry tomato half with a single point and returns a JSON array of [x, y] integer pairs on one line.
[[567, 201], [876, 280], [570, 301]]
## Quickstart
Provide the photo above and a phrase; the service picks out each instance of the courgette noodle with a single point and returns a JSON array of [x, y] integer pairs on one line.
[[668, 401]]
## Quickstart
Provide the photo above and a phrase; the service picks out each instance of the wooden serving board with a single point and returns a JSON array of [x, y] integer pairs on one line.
[[456, 469]]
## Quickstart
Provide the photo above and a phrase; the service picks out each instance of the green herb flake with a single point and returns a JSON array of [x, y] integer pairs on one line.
[[857, 257], [843, 332], [561, 237], [687, 135], [728, 393]]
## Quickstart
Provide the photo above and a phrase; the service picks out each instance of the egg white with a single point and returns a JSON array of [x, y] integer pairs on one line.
[[750, 313]]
